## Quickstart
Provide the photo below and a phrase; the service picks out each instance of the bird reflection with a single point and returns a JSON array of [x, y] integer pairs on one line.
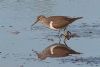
[[67, 37], [55, 50]]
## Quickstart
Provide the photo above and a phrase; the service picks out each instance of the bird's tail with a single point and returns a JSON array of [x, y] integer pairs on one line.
[[77, 18], [74, 52]]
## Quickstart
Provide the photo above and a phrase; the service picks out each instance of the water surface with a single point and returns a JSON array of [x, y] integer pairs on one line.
[[17, 40]]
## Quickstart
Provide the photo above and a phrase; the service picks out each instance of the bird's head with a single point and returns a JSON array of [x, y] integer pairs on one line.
[[39, 19]]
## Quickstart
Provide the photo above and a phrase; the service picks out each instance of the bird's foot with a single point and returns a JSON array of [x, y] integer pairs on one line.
[[67, 35]]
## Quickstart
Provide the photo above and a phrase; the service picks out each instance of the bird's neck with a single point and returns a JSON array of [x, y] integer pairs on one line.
[[45, 22]]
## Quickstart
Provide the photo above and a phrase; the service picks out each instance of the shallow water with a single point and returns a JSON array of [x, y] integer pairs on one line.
[[17, 40]]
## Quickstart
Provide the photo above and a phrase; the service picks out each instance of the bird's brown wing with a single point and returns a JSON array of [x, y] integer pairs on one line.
[[60, 21], [60, 51], [64, 50], [55, 18]]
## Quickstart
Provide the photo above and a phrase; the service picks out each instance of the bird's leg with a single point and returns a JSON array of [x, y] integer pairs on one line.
[[59, 36], [67, 34], [59, 32], [65, 43], [65, 31]]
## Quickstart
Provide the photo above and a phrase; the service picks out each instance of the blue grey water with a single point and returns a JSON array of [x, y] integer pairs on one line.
[[17, 40]]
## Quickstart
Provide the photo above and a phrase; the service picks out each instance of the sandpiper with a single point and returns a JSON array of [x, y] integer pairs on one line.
[[56, 50], [56, 22]]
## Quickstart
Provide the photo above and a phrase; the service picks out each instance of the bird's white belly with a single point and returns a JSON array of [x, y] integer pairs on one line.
[[51, 26]]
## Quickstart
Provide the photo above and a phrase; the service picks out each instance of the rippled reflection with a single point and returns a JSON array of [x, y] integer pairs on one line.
[[55, 50]]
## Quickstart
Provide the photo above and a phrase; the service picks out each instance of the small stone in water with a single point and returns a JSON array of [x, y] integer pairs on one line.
[[10, 26], [15, 32]]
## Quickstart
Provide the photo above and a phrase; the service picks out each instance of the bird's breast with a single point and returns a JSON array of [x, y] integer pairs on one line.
[[51, 26]]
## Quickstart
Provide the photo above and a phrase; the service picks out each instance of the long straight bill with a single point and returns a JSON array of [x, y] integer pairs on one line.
[[33, 25]]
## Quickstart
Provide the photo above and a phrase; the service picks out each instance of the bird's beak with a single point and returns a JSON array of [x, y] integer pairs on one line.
[[33, 24]]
